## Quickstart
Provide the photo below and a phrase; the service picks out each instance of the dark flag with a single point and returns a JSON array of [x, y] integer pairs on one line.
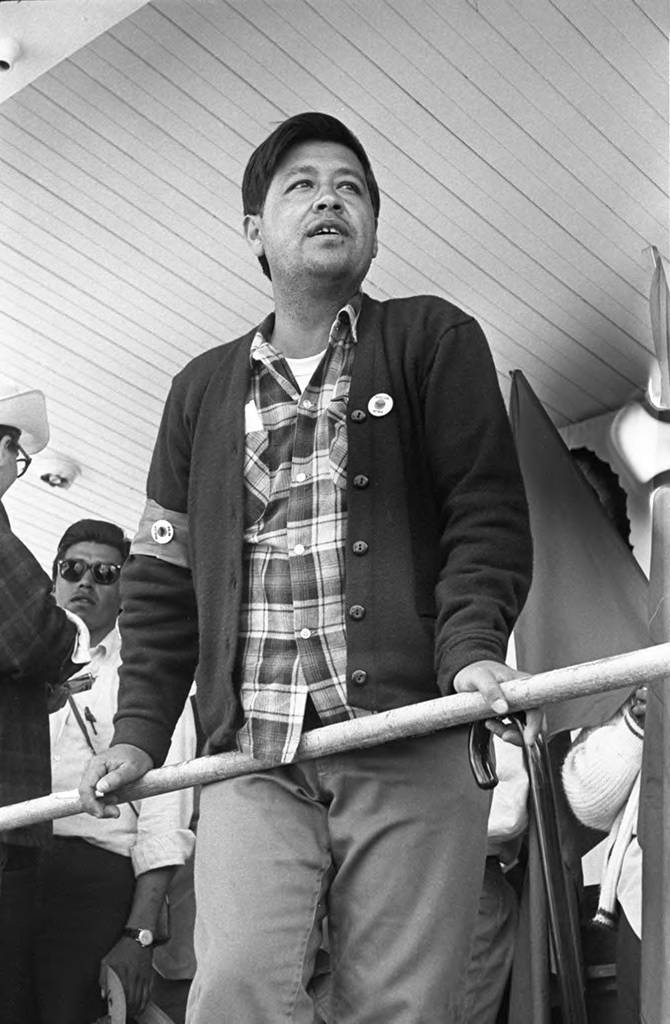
[[588, 600]]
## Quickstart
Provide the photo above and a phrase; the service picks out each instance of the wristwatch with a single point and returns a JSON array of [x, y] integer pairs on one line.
[[144, 936]]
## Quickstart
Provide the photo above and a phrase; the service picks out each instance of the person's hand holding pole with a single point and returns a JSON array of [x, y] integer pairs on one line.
[[485, 677], [108, 771]]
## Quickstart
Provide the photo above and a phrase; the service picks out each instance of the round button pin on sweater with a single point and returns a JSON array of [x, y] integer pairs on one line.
[[380, 404]]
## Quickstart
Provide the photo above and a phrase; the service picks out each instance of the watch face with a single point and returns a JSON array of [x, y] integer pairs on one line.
[[145, 937]]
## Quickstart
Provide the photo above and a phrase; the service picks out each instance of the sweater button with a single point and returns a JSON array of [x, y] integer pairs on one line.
[[360, 547], [361, 481], [359, 677], [357, 611], [358, 415]]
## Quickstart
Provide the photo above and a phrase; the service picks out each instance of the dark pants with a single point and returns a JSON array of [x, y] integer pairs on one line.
[[628, 957], [492, 949], [85, 898], [19, 866]]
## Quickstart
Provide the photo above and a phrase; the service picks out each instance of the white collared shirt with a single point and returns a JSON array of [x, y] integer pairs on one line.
[[82, 645], [160, 835]]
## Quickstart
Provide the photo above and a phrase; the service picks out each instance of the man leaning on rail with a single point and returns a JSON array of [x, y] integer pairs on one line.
[[335, 525]]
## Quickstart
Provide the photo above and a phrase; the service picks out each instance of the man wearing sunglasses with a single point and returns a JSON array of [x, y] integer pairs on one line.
[[86, 574], [40, 645], [103, 882]]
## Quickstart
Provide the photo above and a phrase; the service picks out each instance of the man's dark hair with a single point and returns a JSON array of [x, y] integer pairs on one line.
[[96, 531], [308, 127], [7, 431]]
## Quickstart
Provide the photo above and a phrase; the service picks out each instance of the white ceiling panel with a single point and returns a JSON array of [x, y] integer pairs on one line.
[[521, 148]]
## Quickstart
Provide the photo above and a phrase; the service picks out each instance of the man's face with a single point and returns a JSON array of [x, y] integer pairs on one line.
[[96, 604], [317, 220], [8, 467]]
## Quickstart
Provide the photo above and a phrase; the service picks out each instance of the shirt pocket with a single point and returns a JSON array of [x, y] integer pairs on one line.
[[256, 477]]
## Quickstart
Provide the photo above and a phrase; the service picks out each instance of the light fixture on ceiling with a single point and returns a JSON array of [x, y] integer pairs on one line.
[[10, 51], [57, 470]]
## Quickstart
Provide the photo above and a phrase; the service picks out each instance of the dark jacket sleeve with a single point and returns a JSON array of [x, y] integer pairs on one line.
[[485, 544], [36, 637], [158, 622]]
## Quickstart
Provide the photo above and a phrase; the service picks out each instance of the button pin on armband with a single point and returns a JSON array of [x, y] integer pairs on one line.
[[162, 531]]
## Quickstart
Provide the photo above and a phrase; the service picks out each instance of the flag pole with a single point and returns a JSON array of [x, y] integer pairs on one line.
[[624, 671], [655, 786]]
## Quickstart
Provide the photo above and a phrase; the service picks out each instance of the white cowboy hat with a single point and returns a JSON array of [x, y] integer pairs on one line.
[[27, 411]]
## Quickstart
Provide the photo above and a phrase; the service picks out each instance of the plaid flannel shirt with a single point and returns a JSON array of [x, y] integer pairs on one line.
[[36, 641], [292, 624]]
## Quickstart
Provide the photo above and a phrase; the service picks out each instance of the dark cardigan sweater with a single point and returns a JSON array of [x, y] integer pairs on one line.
[[434, 492]]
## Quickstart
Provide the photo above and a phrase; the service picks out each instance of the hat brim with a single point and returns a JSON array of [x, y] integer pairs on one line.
[[27, 411]]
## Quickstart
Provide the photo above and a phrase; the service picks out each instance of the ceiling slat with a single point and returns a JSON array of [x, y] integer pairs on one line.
[[584, 79]]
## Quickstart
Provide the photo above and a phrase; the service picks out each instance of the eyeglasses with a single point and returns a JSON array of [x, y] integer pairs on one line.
[[23, 460], [104, 573]]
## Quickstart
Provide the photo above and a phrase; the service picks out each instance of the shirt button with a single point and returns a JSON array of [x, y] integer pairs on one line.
[[359, 677], [357, 611], [305, 633], [299, 549], [358, 415], [359, 547], [300, 477], [307, 404], [361, 481], [56, 757]]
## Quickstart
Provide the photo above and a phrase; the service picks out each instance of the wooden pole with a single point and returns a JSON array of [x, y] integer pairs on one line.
[[624, 671]]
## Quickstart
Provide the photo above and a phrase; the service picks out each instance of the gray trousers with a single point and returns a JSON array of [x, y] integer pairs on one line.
[[388, 842]]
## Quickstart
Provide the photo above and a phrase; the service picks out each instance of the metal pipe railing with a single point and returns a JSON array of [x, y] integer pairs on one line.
[[623, 671]]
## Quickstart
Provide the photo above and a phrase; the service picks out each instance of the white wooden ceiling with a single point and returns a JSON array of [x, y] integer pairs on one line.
[[47, 32], [521, 148]]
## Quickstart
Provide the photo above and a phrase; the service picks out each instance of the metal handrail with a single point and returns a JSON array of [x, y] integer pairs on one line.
[[652, 664]]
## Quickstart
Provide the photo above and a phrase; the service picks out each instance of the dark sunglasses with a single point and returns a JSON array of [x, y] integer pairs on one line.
[[104, 573]]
